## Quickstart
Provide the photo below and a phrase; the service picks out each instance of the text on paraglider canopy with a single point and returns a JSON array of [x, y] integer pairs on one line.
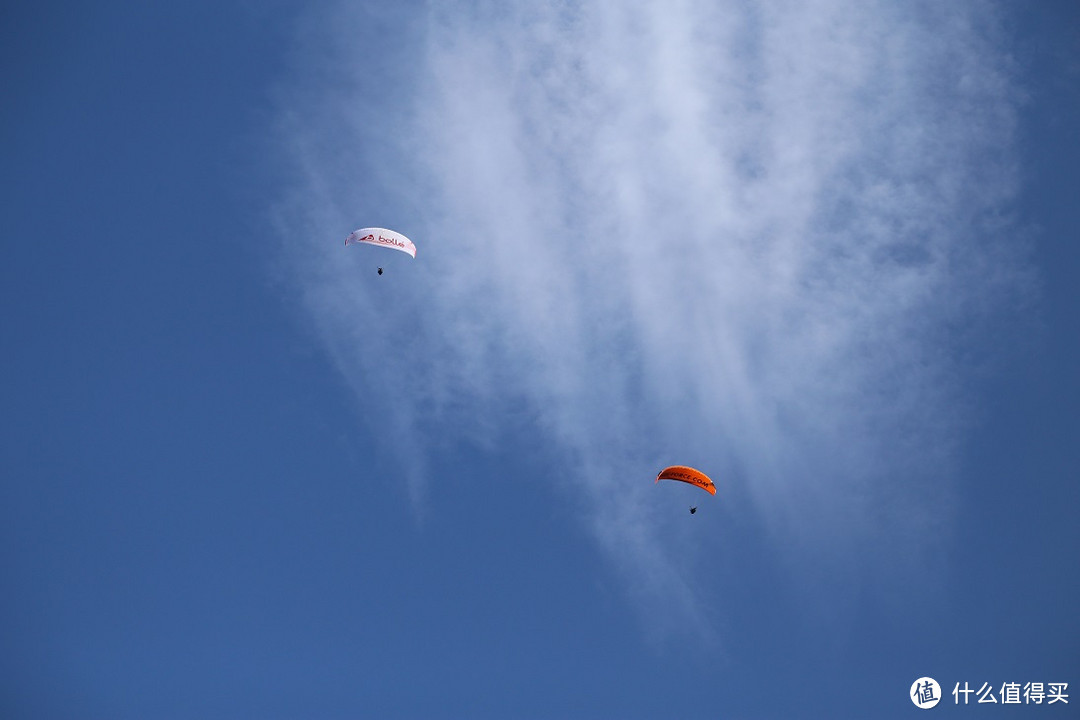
[[686, 477], [389, 241]]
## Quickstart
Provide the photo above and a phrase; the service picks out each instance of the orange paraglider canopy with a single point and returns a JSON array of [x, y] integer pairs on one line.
[[687, 475]]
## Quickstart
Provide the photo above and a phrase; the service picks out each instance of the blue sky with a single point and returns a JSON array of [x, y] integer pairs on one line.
[[827, 253]]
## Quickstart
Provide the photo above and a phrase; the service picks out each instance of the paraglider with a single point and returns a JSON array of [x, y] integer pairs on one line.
[[686, 474], [383, 238]]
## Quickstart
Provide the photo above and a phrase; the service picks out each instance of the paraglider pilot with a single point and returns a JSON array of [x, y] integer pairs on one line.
[[380, 271]]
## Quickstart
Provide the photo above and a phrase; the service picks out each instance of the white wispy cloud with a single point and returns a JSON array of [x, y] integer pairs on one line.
[[756, 237]]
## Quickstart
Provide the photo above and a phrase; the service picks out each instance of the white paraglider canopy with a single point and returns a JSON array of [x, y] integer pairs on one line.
[[383, 238]]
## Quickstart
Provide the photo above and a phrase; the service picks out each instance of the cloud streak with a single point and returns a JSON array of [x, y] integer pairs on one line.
[[759, 238]]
